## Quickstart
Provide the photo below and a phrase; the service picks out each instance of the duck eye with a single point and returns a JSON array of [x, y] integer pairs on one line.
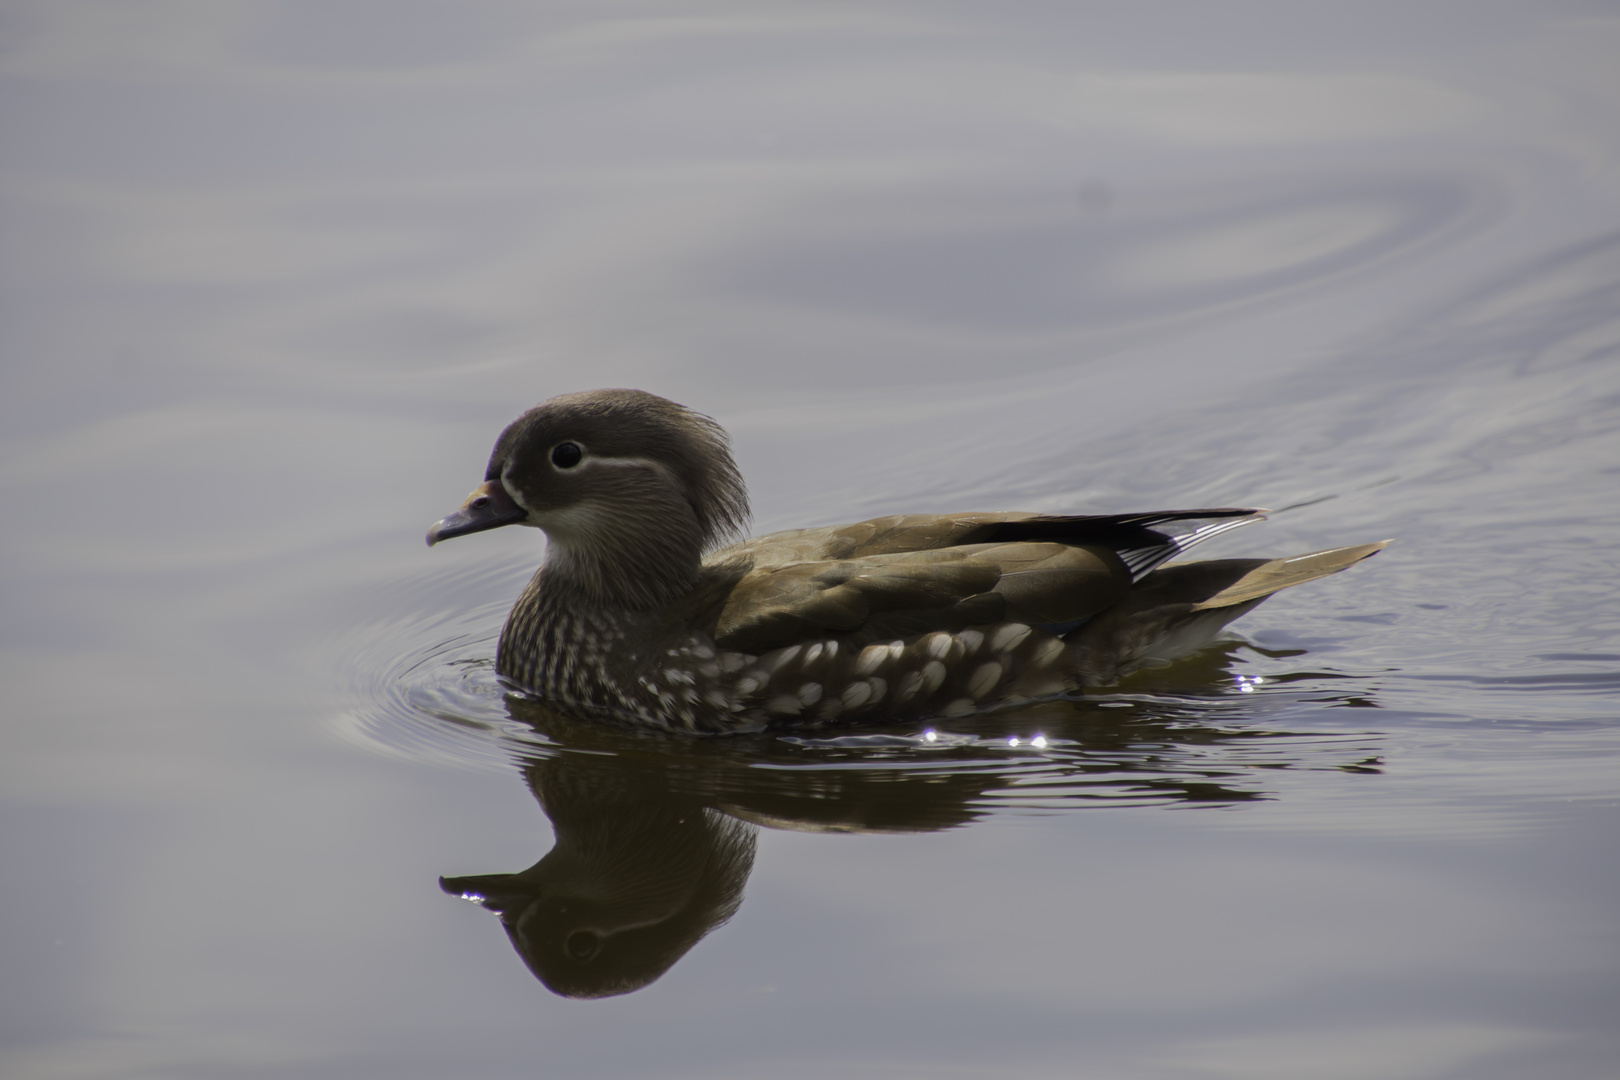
[[582, 945], [565, 455]]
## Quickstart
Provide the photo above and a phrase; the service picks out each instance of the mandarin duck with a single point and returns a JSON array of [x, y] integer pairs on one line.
[[642, 610]]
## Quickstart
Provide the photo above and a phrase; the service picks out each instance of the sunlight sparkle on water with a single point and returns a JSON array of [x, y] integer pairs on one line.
[[473, 897]]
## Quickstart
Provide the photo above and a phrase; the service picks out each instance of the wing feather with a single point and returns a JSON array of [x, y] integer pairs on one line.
[[893, 576]]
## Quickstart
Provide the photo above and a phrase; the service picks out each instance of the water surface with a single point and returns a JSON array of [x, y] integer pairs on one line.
[[276, 274]]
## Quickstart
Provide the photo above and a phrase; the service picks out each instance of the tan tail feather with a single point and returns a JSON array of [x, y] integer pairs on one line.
[[1277, 574]]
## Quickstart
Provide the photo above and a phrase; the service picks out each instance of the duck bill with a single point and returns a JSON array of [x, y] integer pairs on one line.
[[488, 507], [497, 892]]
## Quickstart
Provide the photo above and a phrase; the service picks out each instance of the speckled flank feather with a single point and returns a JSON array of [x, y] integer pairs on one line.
[[893, 618], [696, 687]]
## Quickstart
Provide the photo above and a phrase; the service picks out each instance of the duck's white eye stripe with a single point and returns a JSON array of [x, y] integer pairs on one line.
[[637, 462], [629, 463]]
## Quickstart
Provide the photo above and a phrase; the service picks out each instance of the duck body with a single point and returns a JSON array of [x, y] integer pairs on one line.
[[893, 618]]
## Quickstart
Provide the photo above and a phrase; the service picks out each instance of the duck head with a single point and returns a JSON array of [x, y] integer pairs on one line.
[[631, 489]]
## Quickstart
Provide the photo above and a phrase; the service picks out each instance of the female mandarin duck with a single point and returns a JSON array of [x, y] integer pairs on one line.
[[894, 618]]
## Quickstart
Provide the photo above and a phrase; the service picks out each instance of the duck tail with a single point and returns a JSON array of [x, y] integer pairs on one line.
[[1272, 575], [1179, 608]]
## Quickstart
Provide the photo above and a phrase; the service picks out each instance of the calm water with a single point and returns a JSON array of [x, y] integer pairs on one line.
[[275, 274]]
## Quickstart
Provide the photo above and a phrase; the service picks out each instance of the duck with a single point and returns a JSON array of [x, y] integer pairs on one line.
[[650, 607]]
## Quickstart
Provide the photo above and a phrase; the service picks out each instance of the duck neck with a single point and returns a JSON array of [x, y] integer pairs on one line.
[[586, 604], [602, 579], [630, 577]]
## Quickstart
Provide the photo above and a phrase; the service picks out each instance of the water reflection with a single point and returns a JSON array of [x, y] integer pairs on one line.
[[655, 833], [638, 875]]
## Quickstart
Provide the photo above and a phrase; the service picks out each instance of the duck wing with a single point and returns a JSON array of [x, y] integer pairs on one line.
[[897, 577], [1142, 541]]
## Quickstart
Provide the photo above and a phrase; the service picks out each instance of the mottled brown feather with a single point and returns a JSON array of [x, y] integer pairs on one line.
[[891, 589]]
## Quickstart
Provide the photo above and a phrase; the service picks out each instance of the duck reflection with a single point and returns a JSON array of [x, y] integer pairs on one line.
[[655, 838], [655, 833], [638, 874]]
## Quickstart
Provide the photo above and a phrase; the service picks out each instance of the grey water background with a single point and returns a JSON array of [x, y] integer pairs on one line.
[[275, 274]]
